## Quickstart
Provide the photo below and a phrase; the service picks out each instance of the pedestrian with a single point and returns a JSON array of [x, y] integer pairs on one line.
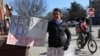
[[7, 18], [57, 28]]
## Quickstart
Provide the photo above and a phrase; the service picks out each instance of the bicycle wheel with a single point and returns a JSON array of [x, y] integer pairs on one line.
[[92, 46], [79, 42]]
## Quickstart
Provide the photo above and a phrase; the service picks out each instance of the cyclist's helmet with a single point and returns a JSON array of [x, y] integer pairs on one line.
[[83, 18]]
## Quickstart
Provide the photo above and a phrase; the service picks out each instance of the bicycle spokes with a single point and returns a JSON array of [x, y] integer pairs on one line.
[[92, 46]]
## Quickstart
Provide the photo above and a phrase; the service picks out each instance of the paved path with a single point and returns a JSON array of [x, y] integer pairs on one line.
[[41, 51]]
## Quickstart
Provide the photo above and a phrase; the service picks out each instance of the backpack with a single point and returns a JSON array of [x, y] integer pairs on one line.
[[80, 28]]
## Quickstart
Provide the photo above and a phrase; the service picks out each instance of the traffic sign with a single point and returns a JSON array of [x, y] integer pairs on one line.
[[91, 12]]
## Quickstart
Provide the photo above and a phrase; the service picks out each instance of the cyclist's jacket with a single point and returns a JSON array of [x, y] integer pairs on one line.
[[82, 27], [57, 32]]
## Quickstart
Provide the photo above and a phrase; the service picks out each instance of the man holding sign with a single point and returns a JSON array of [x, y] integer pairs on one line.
[[57, 42]]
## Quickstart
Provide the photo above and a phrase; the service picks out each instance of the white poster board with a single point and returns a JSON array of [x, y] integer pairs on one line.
[[30, 31]]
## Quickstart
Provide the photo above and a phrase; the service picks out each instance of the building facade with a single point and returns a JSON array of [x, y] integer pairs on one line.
[[96, 6]]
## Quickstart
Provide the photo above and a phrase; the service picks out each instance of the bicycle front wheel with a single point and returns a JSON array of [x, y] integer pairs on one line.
[[92, 46], [79, 43]]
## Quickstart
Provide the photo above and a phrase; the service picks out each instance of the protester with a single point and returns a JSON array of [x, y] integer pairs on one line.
[[57, 28]]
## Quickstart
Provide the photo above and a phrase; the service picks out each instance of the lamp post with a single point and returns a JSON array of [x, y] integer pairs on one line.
[[90, 3]]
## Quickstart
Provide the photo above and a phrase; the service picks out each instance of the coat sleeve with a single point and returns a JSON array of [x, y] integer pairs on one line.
[[68, 34], [48, 26]]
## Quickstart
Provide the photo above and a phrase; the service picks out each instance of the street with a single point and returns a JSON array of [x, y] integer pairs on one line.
[[72, 51]]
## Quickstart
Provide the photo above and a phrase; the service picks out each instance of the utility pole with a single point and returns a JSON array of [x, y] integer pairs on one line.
[[90, 19]]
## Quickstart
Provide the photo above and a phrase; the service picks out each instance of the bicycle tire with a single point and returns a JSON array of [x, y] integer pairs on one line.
[[90, 44], [79, 43]]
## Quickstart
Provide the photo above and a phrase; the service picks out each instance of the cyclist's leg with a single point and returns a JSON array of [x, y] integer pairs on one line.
[[82, 40], [86, 38]]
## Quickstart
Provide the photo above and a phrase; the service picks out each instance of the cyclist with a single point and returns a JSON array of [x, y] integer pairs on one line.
[[83, 30]]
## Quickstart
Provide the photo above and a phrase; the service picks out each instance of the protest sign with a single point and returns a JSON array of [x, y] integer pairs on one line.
[[27, 31]]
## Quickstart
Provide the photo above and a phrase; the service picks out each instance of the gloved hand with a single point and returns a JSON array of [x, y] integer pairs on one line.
[[65, 47]]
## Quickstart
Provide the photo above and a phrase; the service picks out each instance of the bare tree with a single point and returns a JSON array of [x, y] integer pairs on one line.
[[30, 7]]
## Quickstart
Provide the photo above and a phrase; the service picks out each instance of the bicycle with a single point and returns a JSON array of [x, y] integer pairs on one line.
[[91, 43]]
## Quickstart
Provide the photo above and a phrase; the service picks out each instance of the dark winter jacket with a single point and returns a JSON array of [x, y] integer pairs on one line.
[[57, 33]]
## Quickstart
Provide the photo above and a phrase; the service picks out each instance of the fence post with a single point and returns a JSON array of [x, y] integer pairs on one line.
[[99, 33]]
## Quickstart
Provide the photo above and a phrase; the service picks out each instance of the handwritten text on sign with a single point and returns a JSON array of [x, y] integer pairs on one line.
[[27, 31]]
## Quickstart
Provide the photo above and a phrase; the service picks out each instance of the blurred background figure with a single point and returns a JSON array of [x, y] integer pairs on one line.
[[2, 12], [5, 14], [7, 17]]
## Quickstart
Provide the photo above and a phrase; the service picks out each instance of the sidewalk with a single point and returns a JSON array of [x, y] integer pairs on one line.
[[74, 37]]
